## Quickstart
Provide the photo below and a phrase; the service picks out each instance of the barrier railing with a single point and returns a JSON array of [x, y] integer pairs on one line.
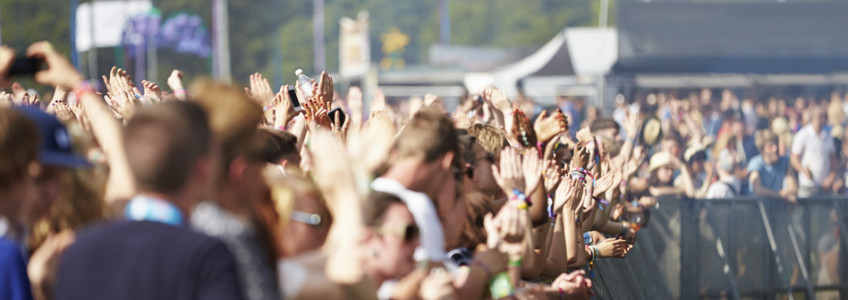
[[739, 248]]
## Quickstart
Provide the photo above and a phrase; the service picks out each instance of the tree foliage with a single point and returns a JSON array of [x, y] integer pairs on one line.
[[263, 29]]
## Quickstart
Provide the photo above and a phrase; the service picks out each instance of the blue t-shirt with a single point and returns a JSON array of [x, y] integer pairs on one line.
[[771, 176], [14, 283]]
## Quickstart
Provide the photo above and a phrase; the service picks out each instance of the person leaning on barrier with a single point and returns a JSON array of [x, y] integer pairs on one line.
[[768, 172]]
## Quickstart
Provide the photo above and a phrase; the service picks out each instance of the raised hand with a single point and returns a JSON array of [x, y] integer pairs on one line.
[[323, 92], [552, 176], [7, 56], [379, 101], [19, 93], [499, 99], [461, 119], [62, 111], [522, 130], [59, 71], [339, 128], [175, 82], [283, 108], [151, 91], [260, 90], [548, 127], [354, 103], [533, 168], [567, 194], [509, 174]]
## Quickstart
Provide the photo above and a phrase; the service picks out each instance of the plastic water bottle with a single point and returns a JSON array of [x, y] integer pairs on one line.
[[304, 82]]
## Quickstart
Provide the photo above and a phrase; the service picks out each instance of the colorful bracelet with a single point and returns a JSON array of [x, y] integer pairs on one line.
[[267, 107], [561, 293], [82, 89], [179, 91]]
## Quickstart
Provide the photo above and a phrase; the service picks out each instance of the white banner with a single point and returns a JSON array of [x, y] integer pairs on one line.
[[354, 46], [102, 26]]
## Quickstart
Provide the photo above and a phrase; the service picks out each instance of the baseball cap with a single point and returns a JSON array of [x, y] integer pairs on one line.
[[55, 146]]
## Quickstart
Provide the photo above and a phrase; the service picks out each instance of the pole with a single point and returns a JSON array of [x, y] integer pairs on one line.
[[92, 52], [74, 53], [603, 14], [444, 22], [221, 41], [318, 35]]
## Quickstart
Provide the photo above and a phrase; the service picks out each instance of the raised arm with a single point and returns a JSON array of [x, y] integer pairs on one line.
[[120, 183]]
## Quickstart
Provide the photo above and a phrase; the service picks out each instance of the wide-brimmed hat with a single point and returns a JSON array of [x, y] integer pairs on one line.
[[660, 159], [651, 132], [692, 151]]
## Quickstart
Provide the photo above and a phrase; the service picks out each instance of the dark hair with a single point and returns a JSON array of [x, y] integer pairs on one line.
[[276, 145], [375, 210], [18, 146], [164, 142]]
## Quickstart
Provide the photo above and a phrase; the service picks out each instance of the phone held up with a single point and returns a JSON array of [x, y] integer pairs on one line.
[[26, 66]]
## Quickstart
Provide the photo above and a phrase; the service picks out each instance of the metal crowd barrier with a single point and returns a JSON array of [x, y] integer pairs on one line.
[[738, 248]]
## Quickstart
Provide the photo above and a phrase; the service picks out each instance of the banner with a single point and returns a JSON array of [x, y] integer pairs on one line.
[[354, 46], [101, 23]]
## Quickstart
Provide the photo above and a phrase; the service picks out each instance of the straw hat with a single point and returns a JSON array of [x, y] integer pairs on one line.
[[779, 126], [660, 159], [651, 132], [692, 151]]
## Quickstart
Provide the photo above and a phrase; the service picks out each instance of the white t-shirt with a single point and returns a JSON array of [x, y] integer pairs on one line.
[[721, 189], [423, 210], [815, 151]]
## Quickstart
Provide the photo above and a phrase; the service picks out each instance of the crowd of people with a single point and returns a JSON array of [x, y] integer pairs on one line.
[[223, 192]]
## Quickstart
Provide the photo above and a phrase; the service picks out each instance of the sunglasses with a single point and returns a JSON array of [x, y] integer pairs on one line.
[[408, 233]]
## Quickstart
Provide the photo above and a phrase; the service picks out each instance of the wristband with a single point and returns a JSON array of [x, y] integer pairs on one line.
[[624, 228], [561, 293], [267, 107], [281, 128], [179, 91], [82, 89], [522, 205], [515, 263]]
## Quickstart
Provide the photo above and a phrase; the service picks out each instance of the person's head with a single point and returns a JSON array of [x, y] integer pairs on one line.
[[818, 118], [727, 163], [661, 170], [304, 219], [671, 145], [767, 143], [430, 141], [18, 162], [477, 166], [233, 118], [279, 147], [695, 158], [58, 160], [489, 137], [392, 237], [606, 127], [170, 151]]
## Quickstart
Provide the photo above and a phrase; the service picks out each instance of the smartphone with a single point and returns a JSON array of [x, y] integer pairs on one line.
[[23, 65], [341, 114], [294, 100]]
